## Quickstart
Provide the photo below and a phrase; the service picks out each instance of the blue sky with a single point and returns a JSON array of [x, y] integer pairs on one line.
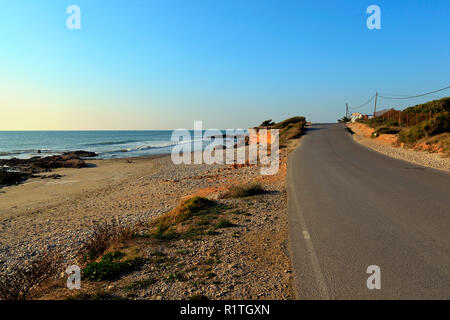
[[163, 64]]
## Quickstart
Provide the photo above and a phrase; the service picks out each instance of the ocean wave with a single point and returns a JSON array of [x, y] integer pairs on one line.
[[28, 151], [137, 149], [105, 148], [107, 143]]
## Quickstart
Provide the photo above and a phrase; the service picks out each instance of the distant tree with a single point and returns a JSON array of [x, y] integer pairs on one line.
[[267, 123], [345, 119]]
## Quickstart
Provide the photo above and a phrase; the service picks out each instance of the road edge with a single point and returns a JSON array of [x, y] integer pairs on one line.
[[296, 239]]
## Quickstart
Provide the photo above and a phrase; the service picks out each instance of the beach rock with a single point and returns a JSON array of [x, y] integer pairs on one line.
[[80, 154], [12, 177], [13, 171], [51, 162], [74, 163], [52, 176]]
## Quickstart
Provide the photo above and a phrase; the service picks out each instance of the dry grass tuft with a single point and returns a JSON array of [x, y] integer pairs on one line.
[[244, 190], [185, 210], [21, 278], [164, 225], [105, 235]]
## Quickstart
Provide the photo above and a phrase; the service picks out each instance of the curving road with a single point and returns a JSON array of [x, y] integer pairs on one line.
[[350, 207]]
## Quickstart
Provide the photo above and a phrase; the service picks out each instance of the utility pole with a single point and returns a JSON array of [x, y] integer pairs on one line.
[[375, 107], [346, 110]]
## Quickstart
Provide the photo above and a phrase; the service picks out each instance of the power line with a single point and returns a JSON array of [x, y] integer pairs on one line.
[[407, 95], [362, 105], [398, 97], [419, 95]]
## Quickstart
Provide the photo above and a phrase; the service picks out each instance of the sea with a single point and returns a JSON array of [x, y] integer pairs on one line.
[[107, 144]]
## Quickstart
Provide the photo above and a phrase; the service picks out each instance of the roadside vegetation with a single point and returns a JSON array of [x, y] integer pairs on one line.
[[194, 219], [291, 128], [428, 128], [425, 125], [244, 190], [115, 251], [111, 266]]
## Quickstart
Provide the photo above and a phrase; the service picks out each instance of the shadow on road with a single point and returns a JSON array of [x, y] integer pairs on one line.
[[349, 130]]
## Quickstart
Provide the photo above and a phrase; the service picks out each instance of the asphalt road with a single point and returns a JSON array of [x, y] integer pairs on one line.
[[350, 207]]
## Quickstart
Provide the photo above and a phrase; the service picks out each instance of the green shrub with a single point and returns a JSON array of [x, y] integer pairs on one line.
[[387, 130], [195, 205], [164, 226], [204, 221], [223, 223], [164, 232], [439, 124], [192, 233], [267, 123], [110, 267], [211, 233], [292, 120], [103, 236], [177, 276], [411, 135], [140, 284], [434, 106], [379, 121], [184, 211]]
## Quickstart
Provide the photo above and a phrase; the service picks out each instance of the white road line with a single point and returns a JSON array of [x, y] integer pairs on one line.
[[312, 253]]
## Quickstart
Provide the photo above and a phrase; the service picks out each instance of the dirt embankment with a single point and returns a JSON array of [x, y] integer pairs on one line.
[[427, 155]]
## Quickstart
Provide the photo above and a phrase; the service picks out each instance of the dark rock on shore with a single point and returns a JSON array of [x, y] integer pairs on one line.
[[36, 164], [51, 176], [81, 154], [12, 177], [13, 171]]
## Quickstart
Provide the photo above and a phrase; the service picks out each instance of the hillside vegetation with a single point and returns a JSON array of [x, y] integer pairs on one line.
[[291, 128], [435, 106], [431, 125], [429, 128]]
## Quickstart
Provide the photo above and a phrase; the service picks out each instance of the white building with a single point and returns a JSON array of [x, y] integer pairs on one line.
[[355, 116]]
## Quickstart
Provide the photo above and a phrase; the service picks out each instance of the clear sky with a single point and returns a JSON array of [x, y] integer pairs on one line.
[[161, 64]]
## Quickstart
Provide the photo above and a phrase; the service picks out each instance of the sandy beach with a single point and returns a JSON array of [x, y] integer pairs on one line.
[[57, 215]]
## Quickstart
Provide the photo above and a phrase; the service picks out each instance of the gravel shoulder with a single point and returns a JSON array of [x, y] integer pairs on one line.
[[384, 145]]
